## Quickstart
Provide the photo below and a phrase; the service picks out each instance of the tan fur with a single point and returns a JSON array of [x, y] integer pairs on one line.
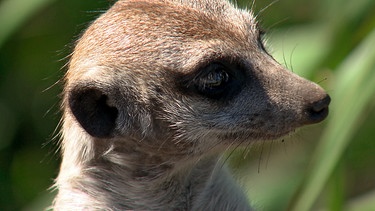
[[156, 91]]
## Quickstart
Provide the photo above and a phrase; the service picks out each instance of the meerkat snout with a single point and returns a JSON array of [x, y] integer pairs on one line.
[[156, 91]]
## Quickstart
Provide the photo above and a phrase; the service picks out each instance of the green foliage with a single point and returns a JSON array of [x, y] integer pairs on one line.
[[323, 167]]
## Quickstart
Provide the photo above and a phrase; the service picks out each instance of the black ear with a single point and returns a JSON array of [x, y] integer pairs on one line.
[[90, 108]]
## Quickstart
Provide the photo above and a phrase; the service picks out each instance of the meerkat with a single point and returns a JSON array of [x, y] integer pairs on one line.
[[156, 91]]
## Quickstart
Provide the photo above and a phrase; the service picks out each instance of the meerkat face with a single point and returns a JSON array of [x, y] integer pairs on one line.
[[182, 75]]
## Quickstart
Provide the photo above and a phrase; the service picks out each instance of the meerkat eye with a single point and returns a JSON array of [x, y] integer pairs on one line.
[[213, 81], [215, 78]]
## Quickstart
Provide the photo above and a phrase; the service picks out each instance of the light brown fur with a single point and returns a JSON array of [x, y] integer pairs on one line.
[[156, 91]]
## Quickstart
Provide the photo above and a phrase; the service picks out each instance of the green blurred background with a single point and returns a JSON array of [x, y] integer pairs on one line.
[[330, 166]]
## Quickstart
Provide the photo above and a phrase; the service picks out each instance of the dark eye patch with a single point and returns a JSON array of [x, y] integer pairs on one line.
[[217, 80]]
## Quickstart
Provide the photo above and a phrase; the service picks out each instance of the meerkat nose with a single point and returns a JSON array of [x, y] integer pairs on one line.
[[318, 110]]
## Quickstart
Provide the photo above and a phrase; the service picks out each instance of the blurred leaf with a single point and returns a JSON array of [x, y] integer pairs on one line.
[[363, 203], [7, 126], [13, 13]]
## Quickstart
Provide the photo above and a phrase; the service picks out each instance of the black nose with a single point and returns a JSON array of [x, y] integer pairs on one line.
[[318, 110]]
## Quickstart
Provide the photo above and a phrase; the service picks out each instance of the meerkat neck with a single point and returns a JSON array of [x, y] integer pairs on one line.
[[116, 182], [118, 174]]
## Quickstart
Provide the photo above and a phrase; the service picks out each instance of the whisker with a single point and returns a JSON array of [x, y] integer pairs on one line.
[[284, 59], [284, 145], [246, 151], [252, 5], [291, 58], [324, 79], [269, 154], [231, 153], [260, 157], [51, 86], [265, 8], [278, 22]]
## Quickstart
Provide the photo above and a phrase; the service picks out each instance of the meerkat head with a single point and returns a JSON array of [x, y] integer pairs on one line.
[[184, 77]]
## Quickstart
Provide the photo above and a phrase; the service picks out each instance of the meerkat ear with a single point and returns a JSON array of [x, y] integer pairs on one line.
[[91, 109]]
